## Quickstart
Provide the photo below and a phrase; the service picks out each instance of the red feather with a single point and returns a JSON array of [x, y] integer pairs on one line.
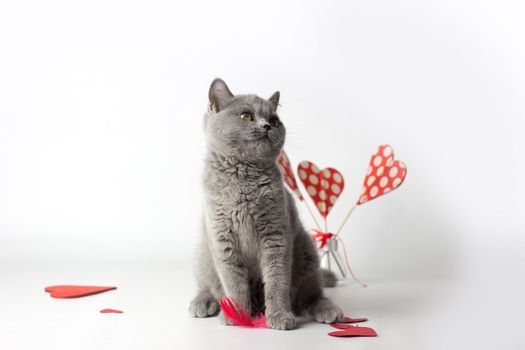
[[235, 313]]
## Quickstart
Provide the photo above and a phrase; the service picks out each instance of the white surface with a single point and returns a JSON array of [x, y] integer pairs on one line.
[[101, 154], [424, 314]]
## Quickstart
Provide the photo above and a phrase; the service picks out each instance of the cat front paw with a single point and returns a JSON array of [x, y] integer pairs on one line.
[[281, 320], [225, 320], [325, 311], [204, 306]]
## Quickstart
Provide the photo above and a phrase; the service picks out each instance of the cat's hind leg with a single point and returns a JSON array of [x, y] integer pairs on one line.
[[310, 298], [324, 311], [308, 283], [204, 305]]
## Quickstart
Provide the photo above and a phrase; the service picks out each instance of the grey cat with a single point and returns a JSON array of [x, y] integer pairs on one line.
[[254, 248]]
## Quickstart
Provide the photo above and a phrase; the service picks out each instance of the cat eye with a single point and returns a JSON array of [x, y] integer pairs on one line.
[[274, 121], [248, 117]]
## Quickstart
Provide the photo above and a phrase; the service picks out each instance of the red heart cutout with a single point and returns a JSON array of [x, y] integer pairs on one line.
[[111, 311], [288, 176], [323, 186], [339, 326], [384, 174], [354, 331], [352, 320], [75, 291]]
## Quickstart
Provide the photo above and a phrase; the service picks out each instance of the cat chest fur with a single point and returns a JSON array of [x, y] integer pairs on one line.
[[248, 204], [245, 202]]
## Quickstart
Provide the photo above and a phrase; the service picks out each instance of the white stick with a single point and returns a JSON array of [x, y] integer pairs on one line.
[[328, 260], [337, 261], [312, 214], [346, 219]]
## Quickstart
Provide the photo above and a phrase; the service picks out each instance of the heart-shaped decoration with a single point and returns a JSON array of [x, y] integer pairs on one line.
[[384, 174], [111, 311], [288, 176], [347, 319], [323, 186], [75, 291], [353, 331]]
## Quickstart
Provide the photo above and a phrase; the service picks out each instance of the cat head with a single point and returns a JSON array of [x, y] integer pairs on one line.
[[245, 127]]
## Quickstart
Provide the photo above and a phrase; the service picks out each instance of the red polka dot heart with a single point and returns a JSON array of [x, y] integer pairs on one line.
[[384, 174], [323, 186], [289, 179]]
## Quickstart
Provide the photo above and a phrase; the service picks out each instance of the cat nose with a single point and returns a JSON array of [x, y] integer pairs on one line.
[[267, 126]]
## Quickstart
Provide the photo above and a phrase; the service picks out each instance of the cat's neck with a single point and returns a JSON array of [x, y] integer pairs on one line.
[[233, 164]]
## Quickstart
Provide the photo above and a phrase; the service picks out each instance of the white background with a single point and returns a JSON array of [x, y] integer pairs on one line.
[[101, 149]]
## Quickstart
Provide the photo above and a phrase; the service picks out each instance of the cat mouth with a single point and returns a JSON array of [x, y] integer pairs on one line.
[[264, 137]]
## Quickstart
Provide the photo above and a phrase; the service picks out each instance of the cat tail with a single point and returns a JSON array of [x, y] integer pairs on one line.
[[328, 278]]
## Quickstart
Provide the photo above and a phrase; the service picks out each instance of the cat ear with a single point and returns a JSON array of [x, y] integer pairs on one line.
[[274, 99], [219, 95]]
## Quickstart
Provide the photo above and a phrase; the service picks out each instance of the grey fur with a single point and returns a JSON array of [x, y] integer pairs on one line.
[[329, 278], [253, 249]]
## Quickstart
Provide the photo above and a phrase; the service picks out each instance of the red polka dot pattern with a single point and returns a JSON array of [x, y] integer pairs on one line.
[[384, 174], [289, 178], [323, 186]]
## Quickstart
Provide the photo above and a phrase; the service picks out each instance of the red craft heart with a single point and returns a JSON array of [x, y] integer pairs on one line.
[[111, 311], [384, 174], [354, 331], [352, 320], [75, 291], [288, 176], [323, 186]]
